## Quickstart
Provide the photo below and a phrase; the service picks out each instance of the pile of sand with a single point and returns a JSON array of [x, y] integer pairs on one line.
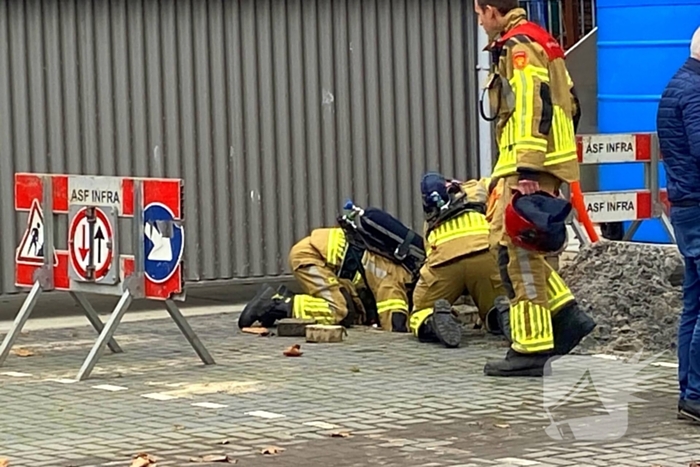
[[633, 293]]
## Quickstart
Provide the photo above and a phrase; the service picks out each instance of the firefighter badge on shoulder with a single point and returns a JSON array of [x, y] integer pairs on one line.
[[520, 60]]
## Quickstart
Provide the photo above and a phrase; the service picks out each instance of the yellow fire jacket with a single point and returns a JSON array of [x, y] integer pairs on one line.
[[534, 104], [462, 235]]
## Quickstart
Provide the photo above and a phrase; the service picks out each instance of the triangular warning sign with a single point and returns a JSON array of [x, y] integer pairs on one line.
[[31, 249]]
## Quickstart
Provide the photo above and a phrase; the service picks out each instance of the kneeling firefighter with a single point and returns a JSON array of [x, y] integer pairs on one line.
[[458, 258], [537, 224], [331, 265]]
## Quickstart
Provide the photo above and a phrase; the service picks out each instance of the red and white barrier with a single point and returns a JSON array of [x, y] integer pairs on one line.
[[601, 149], [619, 206]]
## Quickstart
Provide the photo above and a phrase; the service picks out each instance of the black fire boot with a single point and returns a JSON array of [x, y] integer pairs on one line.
[[569, 326], [399, 322], [518, 364], [283, 292], [255, 308], [690, 410], [446, 327], [498, 318], [279, 309]]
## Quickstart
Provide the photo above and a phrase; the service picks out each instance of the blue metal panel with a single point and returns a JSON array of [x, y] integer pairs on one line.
[[641, 44]]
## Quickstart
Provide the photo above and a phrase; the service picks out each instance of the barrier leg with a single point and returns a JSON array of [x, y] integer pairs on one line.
[[105, 336], [189, 333], [631, 231], [94, 319], [20, 320], [668, 227]]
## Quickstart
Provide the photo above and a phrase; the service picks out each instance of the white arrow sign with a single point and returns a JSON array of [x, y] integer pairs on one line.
[[162, 250]]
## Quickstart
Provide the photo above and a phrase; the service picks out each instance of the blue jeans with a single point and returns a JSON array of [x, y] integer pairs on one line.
[[686, 225]]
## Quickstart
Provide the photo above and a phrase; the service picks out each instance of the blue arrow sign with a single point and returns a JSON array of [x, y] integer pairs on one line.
[[162, 253]]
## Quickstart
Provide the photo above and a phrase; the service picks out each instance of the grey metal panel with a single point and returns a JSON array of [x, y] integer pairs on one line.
[[274, 112], [37, 103], [460, 118], [223, 255], [137, 63], [407, 186], [283, 136], [73, 90], [203, 194], [582, 62], [8, 239], [105, 89], [88, 158], [385, 105]]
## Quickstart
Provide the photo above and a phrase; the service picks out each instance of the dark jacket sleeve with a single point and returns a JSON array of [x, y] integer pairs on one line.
[[691, 119]]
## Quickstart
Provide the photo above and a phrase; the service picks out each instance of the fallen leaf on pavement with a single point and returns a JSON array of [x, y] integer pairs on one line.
[[340, 434], [214, 458], [258, 331], [144, 460], [293, 351], [270, 450], [501, 425], [355, 369], [22, 352], [4, 463]]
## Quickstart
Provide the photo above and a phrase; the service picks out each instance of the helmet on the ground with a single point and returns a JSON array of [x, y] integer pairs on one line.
[[537, 222]]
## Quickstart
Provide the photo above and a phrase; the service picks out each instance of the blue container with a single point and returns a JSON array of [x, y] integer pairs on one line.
[[641, 44]]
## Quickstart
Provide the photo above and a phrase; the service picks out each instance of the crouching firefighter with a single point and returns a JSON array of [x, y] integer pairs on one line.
[[330, 266], [458, 258], [385, 283]]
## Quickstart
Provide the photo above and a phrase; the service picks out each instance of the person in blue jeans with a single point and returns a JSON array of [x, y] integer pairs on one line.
[[678, 127]]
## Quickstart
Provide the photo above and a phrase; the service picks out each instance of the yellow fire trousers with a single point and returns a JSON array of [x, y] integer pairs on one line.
[[535, 290], [477, 273]]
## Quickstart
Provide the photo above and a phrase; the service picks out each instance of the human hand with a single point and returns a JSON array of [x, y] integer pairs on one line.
[[528, 187]]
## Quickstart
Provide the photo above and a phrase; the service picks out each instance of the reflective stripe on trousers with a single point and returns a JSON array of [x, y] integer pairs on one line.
[[308, 307], [387, 306], [418, 318], [531, 327], [558, 293]]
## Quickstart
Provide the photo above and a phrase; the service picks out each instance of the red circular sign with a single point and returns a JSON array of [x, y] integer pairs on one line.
[[79, 243]]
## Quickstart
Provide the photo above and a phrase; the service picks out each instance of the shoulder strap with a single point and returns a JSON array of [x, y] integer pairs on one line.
[[537, 34]]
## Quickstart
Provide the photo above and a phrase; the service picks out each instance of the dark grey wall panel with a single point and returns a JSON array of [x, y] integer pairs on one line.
[[273, 111]]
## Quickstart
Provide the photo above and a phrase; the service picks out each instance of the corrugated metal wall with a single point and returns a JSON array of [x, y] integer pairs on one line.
[[272, 111]]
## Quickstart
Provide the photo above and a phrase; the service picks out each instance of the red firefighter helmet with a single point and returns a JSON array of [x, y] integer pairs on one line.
[[537, 222]]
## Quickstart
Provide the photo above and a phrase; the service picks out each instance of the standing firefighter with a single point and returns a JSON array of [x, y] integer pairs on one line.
[[458, 258], [536, 111]]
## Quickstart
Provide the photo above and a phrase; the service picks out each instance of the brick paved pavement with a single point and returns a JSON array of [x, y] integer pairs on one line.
[[404, 403]]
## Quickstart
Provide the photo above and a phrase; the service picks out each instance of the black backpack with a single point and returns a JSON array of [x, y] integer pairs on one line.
[[376, 230]]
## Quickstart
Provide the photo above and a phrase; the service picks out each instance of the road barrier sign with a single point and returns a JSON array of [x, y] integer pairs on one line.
[[623, 206], [90, 240], [92, 262], [31, 248]]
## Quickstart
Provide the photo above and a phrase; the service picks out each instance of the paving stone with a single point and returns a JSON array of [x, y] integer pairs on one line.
[[396, 407]]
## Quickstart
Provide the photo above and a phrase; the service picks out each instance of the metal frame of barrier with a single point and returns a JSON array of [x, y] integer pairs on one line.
[[624, 205], [92, 262]]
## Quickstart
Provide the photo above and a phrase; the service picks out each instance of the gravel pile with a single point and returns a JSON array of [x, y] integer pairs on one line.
[[632, 291]]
